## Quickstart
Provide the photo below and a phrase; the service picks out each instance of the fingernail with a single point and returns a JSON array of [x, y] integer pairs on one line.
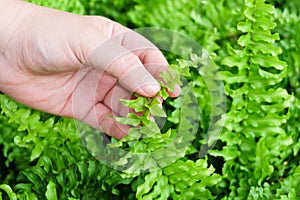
[[151, 90], [177, 90]]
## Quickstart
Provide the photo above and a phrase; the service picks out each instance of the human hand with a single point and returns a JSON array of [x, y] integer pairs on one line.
[[48, 56]]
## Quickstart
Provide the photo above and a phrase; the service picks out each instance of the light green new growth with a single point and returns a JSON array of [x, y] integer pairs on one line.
[[181, 179], [150, 107]]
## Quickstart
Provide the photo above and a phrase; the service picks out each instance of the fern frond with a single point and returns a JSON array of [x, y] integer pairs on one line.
[[258, 108]]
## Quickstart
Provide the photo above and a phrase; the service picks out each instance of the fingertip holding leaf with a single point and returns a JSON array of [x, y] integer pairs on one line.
[[176, 92], [145, 108]]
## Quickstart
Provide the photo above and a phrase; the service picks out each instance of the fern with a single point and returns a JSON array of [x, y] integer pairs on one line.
[[63, 167], [60, 158], [258, 108], [76, 6], [48, 157], [180, 180]]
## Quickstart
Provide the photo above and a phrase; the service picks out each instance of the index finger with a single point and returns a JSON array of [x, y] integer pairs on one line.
[[151, 57]]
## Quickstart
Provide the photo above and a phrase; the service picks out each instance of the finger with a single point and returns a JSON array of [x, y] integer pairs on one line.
[[113, 100], [127, 51], [151, 57], [146, 51], [176, 92], [100, 117], [125, 66], [91, 87]]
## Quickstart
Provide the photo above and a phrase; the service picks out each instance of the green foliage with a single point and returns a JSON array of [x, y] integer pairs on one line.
[[76, 6], [258, 107], [200, 20], [8, 190], [255, 47], [180, 180], [60, 164], [112, 9]]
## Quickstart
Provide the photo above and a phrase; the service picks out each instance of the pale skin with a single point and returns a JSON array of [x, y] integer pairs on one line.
[[48, 56]]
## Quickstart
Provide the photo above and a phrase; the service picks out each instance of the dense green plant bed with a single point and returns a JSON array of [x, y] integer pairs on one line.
[[254, 44]]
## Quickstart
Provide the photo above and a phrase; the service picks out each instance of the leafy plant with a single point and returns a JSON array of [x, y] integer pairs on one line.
[[258, 107], [76, 6]]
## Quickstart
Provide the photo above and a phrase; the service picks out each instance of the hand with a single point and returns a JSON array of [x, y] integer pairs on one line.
[[75, 66]]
